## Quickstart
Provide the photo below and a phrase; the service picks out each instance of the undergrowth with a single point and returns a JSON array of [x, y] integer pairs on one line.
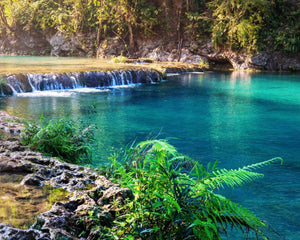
[[176, 197], [63, 138]]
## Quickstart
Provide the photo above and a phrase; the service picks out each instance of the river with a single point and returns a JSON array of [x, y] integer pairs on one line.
[[237, 118]]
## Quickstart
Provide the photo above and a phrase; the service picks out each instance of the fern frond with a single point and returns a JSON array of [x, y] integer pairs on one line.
[[262, 164], [232, 214], [231, 178], [158, 146], [237, 177]]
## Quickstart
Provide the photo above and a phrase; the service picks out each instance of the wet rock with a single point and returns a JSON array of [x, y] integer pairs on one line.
[[9, 124], [115, 193], [11, 233], [32, 181], [8, 165]]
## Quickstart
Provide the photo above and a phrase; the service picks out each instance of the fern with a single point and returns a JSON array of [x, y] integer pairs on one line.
[[236, 177], [174, 195], [262, 164], [231, 178]]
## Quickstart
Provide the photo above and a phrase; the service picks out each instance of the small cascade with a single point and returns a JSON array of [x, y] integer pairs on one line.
[[30, 82]]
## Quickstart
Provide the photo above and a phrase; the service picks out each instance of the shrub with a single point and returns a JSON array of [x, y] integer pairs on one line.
[[119, 59], [175, 196], [63, 138]]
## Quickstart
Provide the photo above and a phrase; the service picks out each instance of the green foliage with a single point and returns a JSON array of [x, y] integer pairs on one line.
[[119, 59], [176, 197], [282, 27], [235, 24], [63, 138], [253, 24]]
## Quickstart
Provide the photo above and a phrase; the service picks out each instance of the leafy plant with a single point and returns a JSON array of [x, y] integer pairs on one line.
[[176, 197], [62, 138], [119, 59]]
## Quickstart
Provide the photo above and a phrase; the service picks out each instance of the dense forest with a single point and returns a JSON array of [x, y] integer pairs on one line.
[[248, 25]]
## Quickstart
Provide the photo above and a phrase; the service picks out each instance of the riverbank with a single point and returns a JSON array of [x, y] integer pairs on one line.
[[84, 189]]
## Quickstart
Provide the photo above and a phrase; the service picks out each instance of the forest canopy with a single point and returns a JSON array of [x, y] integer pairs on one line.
[[234, 24]]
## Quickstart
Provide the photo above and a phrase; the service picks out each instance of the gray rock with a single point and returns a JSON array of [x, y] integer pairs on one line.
[[10, 233], [32, 181], [115, 193], [63, 45]]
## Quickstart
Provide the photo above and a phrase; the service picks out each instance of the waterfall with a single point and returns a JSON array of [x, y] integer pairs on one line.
[[30, 82]]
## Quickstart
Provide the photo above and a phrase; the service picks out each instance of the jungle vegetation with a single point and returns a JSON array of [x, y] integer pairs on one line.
[[236, 24]]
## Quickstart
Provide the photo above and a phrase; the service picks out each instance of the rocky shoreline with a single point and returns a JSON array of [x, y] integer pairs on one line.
[[88, 192], [161, 50]]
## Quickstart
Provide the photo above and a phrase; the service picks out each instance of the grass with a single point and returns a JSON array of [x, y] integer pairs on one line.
[[63, 138]]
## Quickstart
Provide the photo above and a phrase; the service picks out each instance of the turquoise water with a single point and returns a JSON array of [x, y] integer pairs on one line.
[[237, 118]]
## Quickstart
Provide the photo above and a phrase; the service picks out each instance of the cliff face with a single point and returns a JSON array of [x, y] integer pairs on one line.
[[159, 49]]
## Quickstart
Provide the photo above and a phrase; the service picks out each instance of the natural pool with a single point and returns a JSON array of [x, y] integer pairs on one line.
[[237, 118]]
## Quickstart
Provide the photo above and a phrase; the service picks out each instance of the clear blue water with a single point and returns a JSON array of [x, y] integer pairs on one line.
[[237, 118]]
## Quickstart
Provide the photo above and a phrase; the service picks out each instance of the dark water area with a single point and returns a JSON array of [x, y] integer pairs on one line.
[[236, 118]]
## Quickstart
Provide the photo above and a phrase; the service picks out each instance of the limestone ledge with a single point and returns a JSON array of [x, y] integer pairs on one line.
[[87, 190]]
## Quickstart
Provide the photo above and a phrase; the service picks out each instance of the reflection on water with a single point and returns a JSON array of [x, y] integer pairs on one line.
[[20, 206], [237, 118]]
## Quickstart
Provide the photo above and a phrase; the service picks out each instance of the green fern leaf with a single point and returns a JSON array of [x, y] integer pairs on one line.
[[263, 164]]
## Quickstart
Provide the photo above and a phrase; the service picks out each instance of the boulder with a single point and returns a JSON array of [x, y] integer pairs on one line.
[[63, 45]]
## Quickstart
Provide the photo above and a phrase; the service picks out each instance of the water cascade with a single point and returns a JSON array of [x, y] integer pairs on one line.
[[29, 82]]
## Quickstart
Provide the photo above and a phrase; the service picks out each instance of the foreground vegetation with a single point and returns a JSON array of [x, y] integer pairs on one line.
[[249, 24], [176, 197], [63, 138]]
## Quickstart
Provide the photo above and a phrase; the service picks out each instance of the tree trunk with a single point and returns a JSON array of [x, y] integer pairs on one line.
[[131, 38], [99, 33], [179, 30], [3, 19]]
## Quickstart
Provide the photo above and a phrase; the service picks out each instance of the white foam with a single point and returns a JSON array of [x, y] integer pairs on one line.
[[45, 94], [88, 90], [70, 92], [126, 86], [172, 74]]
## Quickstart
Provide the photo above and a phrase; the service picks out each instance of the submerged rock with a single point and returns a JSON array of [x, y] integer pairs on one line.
[[87, 191]]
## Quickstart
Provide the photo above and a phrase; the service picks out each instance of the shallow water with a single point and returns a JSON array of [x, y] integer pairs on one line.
[[237, 118], [20, 206]]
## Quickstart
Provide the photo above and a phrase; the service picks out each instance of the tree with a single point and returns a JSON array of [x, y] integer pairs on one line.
[[236, 23], [3, 17]]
